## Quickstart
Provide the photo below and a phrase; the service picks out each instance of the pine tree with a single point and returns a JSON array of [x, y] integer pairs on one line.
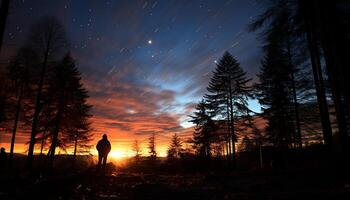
[[326, 24], [78, 132], [69, 102], [287, 23], [204, 130], [21, 72], [47, 38], [175, 148], [273, 93], [152, 146], [228, 94], [136, 149]]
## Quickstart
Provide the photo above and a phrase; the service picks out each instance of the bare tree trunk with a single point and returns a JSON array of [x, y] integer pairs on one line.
[[37, 107], [233, 136], [296, 110], [325, 17], [318, 79], [295, 99], [75, 151], [4, 9], [44, 134], [57, 127], [55, 137], [48, 153], [226, 146], [42, 144], [14, 130], [260, 156], [228, 130]]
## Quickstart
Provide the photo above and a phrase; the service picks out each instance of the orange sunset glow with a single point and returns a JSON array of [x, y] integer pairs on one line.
[[174, 99]]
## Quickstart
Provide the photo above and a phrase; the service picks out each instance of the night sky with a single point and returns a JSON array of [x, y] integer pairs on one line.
[[144, 63]]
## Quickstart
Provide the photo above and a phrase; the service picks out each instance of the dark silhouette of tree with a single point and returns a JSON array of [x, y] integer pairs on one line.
[[3, 95], [259, 141], [45, 125], [204, 130], [326, 25], [228, 94], [280, 30], [21, 73], [69, 102], [47, 38], [152, 146], [4, 9], [47, 114], [315, 57], [136, 149], [273, 93], [79, 130], [285, 23], [175, 148]]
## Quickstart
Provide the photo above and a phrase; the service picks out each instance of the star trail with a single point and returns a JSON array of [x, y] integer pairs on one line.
[[145, 63]]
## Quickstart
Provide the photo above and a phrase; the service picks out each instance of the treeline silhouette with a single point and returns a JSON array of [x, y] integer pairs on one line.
[[301, 85], [42, 94], [306, 44]]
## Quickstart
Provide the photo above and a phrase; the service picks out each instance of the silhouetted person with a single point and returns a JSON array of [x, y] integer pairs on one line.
[[3, 158], [103, 147]]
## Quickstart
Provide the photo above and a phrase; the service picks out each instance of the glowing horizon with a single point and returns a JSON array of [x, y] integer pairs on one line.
[[116, 151], [144, 75]]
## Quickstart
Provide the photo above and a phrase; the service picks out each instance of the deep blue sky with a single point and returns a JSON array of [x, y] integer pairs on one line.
[[132, 81]]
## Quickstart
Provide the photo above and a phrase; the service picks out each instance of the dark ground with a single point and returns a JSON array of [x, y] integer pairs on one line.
[[210, 186], [145, 180]]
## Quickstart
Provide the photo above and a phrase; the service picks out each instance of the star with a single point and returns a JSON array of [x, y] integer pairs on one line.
[[150, 41]]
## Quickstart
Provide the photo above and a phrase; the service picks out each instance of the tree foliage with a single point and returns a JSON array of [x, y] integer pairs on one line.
[[152, 146], [175, 149]]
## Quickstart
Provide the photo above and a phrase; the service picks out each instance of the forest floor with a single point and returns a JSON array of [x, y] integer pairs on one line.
[[177, 180], [208, 186], [116, 184]]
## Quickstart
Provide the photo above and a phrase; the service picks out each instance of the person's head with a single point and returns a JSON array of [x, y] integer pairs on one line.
[[104, 136], [2, 149]]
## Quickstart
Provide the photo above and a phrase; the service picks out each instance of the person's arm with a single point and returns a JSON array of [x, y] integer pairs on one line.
[[109, 146], [98, 146]]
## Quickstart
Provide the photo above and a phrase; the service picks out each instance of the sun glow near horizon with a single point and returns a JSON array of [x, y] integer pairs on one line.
[[118, 153]]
